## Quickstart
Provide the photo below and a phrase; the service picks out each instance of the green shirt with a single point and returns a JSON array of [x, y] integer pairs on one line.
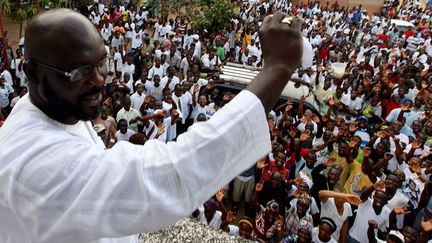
[[220, 52]]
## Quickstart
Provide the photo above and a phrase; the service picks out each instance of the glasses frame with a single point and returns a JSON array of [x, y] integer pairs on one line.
[[74, 72]]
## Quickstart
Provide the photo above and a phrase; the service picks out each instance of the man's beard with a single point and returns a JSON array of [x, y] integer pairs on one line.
[[67, 109]]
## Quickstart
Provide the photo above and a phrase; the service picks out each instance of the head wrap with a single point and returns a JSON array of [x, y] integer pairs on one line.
[[273, 206], [211, 204], [330, 222], [246, 220]]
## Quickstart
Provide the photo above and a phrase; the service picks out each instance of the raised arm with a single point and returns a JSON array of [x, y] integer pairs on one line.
[[280, 63]]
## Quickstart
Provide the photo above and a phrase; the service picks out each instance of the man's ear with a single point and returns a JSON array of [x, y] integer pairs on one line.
[[29, 68]]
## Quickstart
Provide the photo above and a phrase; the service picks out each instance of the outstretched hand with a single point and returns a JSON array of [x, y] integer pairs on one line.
[[220, 195]]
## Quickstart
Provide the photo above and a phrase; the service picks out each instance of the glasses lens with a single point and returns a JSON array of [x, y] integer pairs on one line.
[[81, 73], [76, 75]]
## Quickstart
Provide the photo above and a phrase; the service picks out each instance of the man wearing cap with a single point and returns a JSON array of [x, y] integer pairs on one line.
[[137, 98], [197, 42], [363, 131], [394, 236], [67, 187]]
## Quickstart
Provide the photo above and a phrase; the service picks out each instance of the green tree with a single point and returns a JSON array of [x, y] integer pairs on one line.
[[214, 16], [210, 15]]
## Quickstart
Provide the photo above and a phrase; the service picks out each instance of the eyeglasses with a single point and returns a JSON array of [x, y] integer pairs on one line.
[[79, 73]]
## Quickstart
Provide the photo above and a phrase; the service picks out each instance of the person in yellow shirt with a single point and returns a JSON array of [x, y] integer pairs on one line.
[[342, 161], [125, 15], [363, 175], [247, 38]]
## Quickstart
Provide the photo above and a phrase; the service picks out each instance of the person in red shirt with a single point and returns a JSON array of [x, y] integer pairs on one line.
[[107, 18], [276, 164], [409, 33], [384, 38], [324, 52]]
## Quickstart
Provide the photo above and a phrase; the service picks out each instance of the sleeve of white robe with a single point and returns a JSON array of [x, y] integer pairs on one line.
[[73, 191]]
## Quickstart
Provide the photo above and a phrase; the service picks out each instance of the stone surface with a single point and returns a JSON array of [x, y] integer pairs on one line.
[[187, 230]]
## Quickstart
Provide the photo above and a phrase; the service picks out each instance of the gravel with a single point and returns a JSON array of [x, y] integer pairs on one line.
[[189, 231]]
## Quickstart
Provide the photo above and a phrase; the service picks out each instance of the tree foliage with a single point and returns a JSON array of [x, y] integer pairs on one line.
[[5, 6], [215, 15], [210, 15]]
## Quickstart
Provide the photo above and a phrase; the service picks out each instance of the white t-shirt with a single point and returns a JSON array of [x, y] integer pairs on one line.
[[124, 136], [355, 104], [155, 71], [174, 81], [137, 100], [156, 92], [137, 38], [128, 68], [323, 153], [413, 185], [15, 65], [118, 58], [4, 95], [410, 116], [198, 110], [365, 213], [329, 210]]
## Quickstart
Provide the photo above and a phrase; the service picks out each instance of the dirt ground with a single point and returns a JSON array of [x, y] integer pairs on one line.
[[13, 30]]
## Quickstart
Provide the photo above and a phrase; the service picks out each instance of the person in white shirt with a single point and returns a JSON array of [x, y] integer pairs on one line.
[[154, 88], [5, 91], [123, 134], [164, 30], [197, 42], [157, 69], [137, 98], [92, 184], [126, 79], [186, 62], [210, 60], [129, 114], [183, 99], [137, 37], [6, 74], [22, 92], [16, 65], [336, 205], [128, 67], [253, 50], [201, 108], [353, 103], [118, 60], [370, 209], [106, 32], [170, 81], [117, 39]]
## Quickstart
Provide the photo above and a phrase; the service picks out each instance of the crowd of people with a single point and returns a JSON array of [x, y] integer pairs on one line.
[[356, 169]]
